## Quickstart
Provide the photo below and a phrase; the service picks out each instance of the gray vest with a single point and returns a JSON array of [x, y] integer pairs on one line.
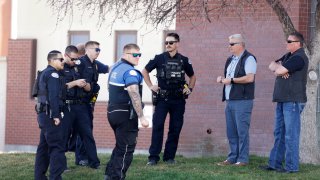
[[292, 89]]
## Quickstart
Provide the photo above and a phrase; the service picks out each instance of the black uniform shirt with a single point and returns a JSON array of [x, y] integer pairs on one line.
[[51, 84], [159, 62], [71, 73], [88, 71]]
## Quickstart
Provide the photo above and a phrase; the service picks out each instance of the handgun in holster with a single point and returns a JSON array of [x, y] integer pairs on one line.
[[155, 97], [40, 107]]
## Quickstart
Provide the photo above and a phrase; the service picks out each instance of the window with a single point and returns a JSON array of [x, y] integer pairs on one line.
[[76, 37], [123, 38]]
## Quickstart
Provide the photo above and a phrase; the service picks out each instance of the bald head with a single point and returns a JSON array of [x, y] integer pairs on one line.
[[81, 49]]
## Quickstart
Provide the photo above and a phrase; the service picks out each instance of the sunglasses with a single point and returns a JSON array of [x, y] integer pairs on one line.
[[290, 41], [135, 54], [72, 59], [170, 42], [96, 49], [232, 44], [60, 59]]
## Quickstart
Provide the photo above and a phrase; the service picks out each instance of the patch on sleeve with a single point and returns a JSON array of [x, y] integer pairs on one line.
[[133, 73], [189, 61], [77, 62], [55, 75]]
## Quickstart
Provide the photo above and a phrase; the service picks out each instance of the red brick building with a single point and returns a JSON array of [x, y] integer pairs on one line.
[[206, 45]]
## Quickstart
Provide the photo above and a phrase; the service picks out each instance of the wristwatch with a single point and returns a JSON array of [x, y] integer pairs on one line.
[[232, 82]]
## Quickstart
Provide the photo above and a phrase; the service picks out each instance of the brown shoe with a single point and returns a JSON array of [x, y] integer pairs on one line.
[[240, 164], [224, 163]]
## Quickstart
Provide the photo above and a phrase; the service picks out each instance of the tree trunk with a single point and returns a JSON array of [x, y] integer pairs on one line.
[[309, 146], [309, 137]]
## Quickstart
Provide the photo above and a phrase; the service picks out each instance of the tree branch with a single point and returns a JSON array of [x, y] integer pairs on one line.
[[285, 20]]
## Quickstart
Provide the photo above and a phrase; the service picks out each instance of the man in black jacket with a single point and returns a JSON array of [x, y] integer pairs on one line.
[[290, 95]]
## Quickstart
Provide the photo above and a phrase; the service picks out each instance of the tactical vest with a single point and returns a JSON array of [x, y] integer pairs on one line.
[[240, 91], [172, 72], [292, 89]]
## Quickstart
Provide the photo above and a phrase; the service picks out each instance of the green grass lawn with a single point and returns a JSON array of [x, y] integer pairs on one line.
[[20, 166]]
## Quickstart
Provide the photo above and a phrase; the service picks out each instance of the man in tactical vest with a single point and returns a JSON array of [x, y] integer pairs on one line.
[[290, 95], [51, 148], [124, 109], [170, 93], [238, 92]]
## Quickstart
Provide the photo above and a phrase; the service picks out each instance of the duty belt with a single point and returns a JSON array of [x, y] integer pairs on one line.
[[77, 101], [163, 93]]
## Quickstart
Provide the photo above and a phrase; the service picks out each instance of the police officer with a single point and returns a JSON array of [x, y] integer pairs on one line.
[[88, 70], [51, 147], [124, 109], [72, 55], [172, 91], [74, 84]]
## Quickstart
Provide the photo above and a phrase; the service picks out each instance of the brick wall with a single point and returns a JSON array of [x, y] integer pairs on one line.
[[21, 126], [206, 45], [304, 16]]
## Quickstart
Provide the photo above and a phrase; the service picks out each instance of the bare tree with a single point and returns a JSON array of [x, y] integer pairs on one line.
[[309, 147], [163, 12], [153, 12]]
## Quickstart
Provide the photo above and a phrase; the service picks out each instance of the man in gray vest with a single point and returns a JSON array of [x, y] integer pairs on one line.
[[290, 95], [238, 92]]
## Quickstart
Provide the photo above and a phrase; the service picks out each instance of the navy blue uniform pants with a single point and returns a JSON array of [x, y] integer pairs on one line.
[[126, 133], [80, 151], [80, 115], [175, 108], [73, 140], [50, 150]]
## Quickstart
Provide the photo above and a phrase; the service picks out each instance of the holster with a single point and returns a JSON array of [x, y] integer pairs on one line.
[[40, 107], [155, 97], [172, 94]]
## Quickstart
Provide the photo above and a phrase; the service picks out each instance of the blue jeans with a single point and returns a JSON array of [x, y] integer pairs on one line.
[[286, 136], [238, 117]]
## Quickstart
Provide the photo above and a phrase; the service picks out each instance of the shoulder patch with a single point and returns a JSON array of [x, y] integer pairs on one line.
[[133, 73], [55, 75], [189, 61]]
